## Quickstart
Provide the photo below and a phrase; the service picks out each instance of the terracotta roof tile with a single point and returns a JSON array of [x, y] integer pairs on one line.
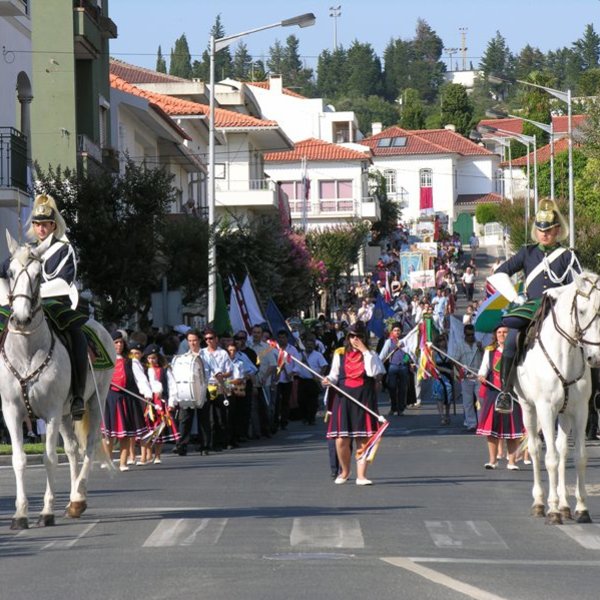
[[469, 199], [424, 141], [317, 150], [561, 125], [543, 154], [512, 125], [265, 85], [224, 119], [135, 74]]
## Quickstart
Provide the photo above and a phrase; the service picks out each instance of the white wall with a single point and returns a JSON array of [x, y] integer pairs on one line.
[[476, 174]]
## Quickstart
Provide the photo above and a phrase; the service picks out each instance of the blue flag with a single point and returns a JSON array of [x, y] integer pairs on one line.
[[276, 320], [381, 312]]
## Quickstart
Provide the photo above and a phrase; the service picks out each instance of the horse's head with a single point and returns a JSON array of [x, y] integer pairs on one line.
[[25, 277], [582, 305]]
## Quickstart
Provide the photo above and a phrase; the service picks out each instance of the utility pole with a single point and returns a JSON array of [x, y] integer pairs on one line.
[[335, 12], [451, 52], [463, 46]]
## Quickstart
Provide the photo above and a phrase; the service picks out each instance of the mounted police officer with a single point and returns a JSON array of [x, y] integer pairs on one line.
[[58, 291], [545, 264]]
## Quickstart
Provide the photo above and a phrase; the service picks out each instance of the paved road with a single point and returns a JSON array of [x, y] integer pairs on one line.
[[266, 522]]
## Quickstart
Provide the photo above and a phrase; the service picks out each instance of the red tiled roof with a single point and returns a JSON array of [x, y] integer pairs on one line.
[[560, 123], [224, 119], [135, 74], [489, 198], [543, 154], [512, 125], [313, 149], [265, 85], [424, 141]]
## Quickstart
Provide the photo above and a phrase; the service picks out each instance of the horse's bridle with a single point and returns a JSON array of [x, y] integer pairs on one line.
[[34, 296]]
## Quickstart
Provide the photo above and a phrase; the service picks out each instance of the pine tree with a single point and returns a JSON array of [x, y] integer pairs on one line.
[[275, 62], [528, 60], [332, 76], [456, 108], [258, 72], [496, 58], [588, 48], [412, 113], [181, 61], [161, 64], [295, 75], [364, 70], [223, 62], [396, 73], [242, 62]]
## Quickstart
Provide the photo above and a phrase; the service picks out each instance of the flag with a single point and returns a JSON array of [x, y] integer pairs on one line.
[[221, 323], [490, 313], [238, 312], [410, 343], [427, 368], [276, 320], [282, 355], [373, 443], [381, 311], [255, 313]]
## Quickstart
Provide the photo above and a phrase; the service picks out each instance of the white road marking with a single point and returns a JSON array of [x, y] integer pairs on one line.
[[69, 543], [441, 579], [326, 532], [185, 532], [587, 536], [502, 561], [472, 535]]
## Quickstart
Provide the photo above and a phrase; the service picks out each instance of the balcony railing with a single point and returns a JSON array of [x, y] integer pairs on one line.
[[244, 185], [357, 207], [13, 158]]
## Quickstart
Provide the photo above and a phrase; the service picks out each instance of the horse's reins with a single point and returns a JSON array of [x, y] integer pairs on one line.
[[578, 340], [34, 299]]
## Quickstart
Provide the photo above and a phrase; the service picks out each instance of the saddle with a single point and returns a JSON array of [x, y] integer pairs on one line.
[[527, 337]]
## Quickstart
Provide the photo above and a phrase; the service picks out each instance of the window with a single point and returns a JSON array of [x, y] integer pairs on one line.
[[335, 189], [384, 142], [426, 177], [295, 193], [390, 181], [399, 142]]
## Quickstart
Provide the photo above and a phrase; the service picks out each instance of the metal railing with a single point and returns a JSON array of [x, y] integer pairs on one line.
[[13, 158], [244, 185]]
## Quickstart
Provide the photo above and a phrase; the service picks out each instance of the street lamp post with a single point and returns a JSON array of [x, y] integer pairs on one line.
[[564, 97], [216, 44]]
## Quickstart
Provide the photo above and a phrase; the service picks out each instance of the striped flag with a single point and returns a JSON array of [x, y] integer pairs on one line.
[[238, 311], [373, 444], [427, 368], [255, 312]]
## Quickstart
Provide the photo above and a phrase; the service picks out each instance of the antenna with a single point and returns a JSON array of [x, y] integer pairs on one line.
[[463, 46], [335, 12], [451, 52]]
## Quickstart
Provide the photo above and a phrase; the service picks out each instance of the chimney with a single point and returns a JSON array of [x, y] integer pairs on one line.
[[450, 127], [276, 83], [376, 127]]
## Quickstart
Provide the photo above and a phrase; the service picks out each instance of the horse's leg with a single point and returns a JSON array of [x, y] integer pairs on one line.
[[562, 445], [71, 450], [14, 424], [46, 517], [547, 420], [582, 514], [534, 447]]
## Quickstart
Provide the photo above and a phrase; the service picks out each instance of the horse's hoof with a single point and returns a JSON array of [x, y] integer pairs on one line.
[[565, 513], [583, 517], [19, 523], [76, 509], [538, 510], [554, 518], [46, 521]]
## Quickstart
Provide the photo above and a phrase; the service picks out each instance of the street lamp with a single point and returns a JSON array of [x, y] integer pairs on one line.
[[216, 44], [475, 136], [549, 129], [564, 97]]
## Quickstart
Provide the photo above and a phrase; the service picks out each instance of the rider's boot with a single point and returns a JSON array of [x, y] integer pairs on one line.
[[79, 363], [504, 400]]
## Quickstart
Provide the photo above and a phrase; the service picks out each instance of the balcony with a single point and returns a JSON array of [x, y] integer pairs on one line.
[[340, 208], [13, 159], [90, 26], [254, 194], [14, 8]]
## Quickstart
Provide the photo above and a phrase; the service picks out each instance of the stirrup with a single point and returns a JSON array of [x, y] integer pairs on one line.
[[77, 409], [504, 403]]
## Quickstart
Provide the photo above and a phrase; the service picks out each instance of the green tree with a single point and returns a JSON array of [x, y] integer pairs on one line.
[[276, 60], [588, 48], [332, 73], [412, 113], [370, 110], [258, 71], [295, 75], [536, 104], [456, 108], [496, 57], [223, 62], [390, 211], [397, 58], [181, 61], [528, 60], [561, 173], [487, 213], [115, 224], [161, 63], [589, 83], [242, 62], [565, 65], [364, 71]]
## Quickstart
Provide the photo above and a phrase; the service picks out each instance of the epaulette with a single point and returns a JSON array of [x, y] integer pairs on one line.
[[490, 348], [340, 351]]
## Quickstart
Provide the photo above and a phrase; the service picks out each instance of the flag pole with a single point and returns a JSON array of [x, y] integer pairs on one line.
[[463, 366], [379, 417]]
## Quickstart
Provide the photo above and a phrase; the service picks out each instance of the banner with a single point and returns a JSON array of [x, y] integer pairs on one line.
[[422, 279], [409, 262]]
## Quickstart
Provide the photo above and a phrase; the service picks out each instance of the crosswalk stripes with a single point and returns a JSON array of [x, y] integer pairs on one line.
[[470, 535], [186, 532], [587, 536], [326, 532]]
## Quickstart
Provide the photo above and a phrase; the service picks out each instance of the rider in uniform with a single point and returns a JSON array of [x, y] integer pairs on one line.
[[545, 264], [59, 271]]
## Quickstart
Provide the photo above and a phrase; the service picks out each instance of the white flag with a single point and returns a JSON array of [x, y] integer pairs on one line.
[[255, 314]]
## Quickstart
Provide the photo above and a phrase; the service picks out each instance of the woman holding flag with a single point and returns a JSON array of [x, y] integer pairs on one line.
[[355, 370]]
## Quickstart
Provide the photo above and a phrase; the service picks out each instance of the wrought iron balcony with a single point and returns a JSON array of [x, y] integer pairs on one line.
[[13, 158]]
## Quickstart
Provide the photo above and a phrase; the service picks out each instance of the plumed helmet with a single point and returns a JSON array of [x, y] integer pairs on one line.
[[44, 209], [547, 217]]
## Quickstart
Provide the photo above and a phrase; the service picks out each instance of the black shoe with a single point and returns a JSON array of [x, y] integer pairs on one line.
[[77, 408], [504, 403]]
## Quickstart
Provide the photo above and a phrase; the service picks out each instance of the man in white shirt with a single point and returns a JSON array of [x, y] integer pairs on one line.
[[309, 385], [261, 393], [285, 380]]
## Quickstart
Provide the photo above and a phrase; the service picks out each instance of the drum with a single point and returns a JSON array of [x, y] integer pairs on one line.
[[188, 371]]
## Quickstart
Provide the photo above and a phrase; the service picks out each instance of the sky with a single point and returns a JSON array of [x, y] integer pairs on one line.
[[546, 24]]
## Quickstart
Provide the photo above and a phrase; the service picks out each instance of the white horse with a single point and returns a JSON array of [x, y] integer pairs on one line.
[[35, 378], [553, 382]]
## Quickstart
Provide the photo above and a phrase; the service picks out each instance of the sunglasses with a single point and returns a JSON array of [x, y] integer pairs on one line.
[[209, 337], [354, 335]]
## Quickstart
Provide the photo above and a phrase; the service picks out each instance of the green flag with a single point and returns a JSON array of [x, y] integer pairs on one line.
[[221, 324]]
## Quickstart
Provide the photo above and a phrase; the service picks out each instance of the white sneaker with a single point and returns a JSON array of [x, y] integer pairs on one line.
[[157, 461], [123, 468], [364, 482], [339, 480]]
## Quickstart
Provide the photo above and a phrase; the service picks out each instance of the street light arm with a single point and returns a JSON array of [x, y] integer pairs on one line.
[[544, 126], [556, 93]]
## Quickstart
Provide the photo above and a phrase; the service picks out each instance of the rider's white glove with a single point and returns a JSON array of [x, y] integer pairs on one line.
[[520, 300]]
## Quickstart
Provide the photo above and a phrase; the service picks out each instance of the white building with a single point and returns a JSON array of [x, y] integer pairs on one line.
[[16, 95], [326, 184], [434, 171]]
